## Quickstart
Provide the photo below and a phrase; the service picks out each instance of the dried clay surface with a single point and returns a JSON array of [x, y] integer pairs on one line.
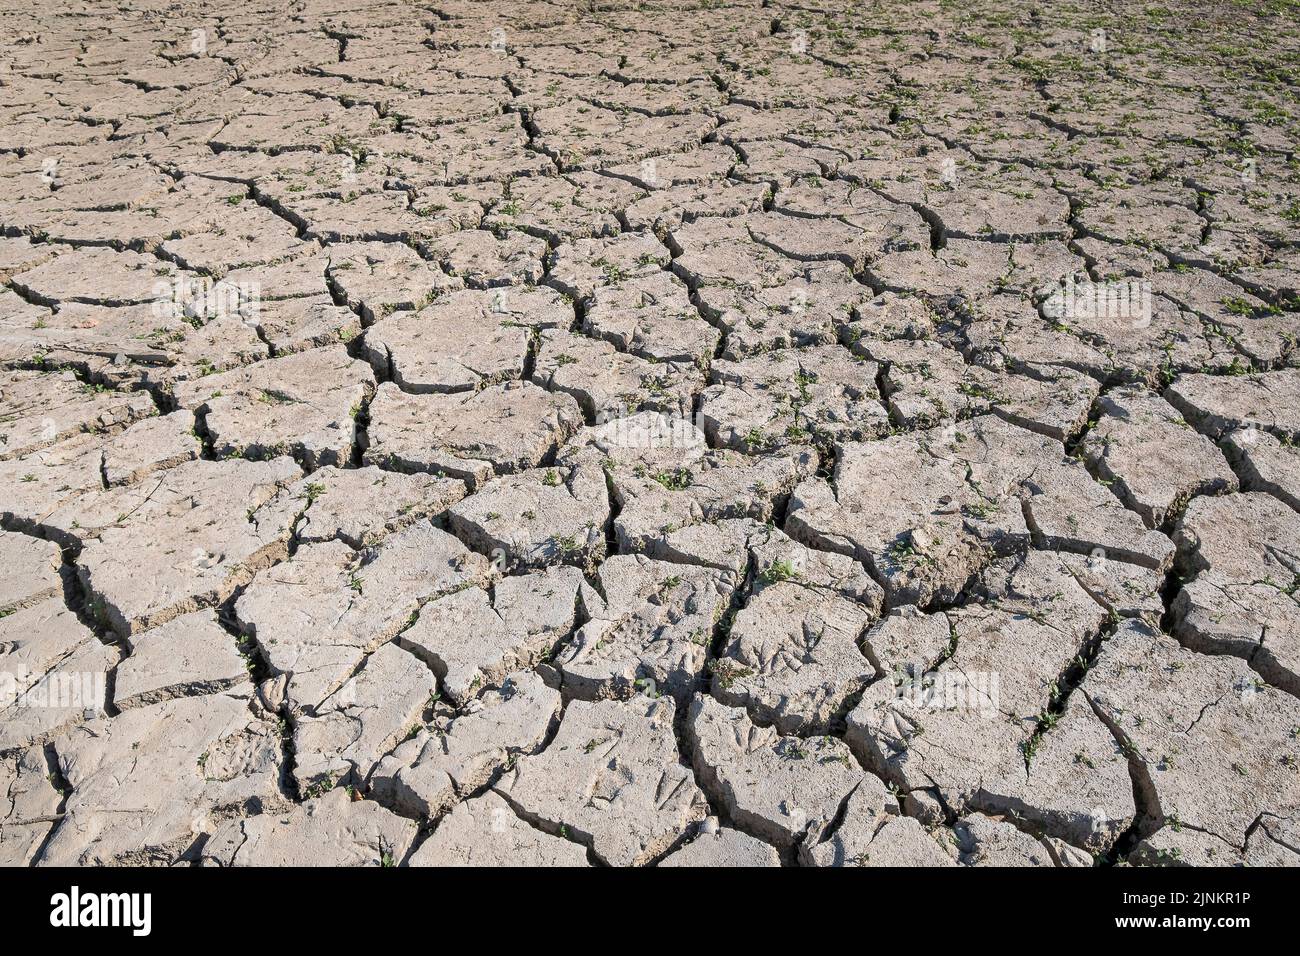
[[686, 433]]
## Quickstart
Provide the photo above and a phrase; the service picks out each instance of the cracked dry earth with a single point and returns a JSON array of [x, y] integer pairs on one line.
[[647, 434]]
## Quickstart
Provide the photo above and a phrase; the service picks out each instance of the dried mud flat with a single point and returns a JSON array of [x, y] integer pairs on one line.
[[682, 434]]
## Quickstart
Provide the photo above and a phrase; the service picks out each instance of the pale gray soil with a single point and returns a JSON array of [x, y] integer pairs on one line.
[[687, 433]]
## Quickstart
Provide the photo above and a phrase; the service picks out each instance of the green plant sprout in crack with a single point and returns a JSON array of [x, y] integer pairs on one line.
[[783, 570], [678, 480]]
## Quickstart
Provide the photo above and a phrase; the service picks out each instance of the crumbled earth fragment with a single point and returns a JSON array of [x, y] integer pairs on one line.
[[333, 830], [1265, 463], [32, 805], [190, 532], [792, 655], [360, 506], [473, 638], [537, 517], [610, 780], [281, 407], [650, 625], [1218, 722], [41, 408], [873, 833], [430, 771], [771, 786], [1242, 599], [989, 690], [485, 831], [469, 435], [724, 847], [317, 616], [191, 654], [1152, 459], [926, 511], [362, 720], [148, 782]]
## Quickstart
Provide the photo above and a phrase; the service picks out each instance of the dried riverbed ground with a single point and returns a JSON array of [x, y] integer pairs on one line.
[[684, 434]]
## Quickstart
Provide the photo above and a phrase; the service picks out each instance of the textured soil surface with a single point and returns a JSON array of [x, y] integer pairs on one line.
[[695, 434]]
